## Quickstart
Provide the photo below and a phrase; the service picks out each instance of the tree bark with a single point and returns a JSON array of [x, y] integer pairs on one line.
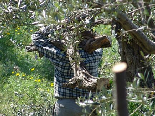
[[143, 41], [89, 45], [82, 79], [132, 54], [120, 83]]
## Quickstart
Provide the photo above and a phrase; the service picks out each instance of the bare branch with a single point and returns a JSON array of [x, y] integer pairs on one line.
[[146, 44]]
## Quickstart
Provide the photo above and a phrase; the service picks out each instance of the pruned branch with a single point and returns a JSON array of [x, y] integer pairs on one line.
[[97, 42], [120, 80], [103, 21], [89, 45], [144, 42], [147, 18]]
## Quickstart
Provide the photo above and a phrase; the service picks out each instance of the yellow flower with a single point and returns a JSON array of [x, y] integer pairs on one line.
[[13, 72], [18, 33], [16, 30], [31, 30], [17, 74], [23, 75], [31, 77], [52, 84], [48, 90], [39, 80], [32, 69], [8, 33]]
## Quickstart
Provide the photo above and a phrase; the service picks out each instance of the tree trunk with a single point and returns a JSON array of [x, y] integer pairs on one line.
[[143, 41], [134, 56], [82, 79]]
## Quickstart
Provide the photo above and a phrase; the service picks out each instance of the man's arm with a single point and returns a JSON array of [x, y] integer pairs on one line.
[[45, 48], [88, 43]]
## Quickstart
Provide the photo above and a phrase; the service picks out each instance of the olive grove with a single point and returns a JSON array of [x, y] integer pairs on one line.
[[70, 23], [132, 23]]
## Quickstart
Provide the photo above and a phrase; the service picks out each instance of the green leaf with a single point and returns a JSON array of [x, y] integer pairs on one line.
[[146, 12], [141, 52], [141, 75], [56, 4]]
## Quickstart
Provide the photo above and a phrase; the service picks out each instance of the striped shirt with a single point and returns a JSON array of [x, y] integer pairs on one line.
[[63, 70]]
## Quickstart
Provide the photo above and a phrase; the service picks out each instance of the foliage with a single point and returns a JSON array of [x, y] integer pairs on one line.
[[25, 80], [25, 87], [23, 94]]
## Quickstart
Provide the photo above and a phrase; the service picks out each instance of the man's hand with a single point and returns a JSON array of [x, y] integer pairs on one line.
[[32, 48]]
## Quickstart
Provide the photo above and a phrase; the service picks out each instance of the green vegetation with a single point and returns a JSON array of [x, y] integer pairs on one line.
[[26, 81]]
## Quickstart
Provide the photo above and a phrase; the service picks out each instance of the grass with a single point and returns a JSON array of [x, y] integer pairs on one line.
[[26, 83], [25, 94], [27, 91]]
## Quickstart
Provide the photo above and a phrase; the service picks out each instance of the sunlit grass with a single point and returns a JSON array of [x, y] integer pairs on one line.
[[25, 79], [26, 94]]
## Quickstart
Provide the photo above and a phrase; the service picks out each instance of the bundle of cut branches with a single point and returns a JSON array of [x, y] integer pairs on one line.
[[68, 37]]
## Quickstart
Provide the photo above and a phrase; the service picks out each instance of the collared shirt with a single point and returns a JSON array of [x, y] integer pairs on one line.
[[63, 70]]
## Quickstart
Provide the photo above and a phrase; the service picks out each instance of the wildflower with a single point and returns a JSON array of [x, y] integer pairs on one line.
[[39, 80], [31, 77], [48, 90], [23, 75], [32, 69], [8, 33], [13, 72], [17, 74], [18, 33], [31, 30], [52, 84], [16, 30]]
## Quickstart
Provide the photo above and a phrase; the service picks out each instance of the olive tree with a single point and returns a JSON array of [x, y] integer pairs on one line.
[[132, 21], [69, 22]]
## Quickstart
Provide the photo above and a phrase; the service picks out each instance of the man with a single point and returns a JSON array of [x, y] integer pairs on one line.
[[66, 97]]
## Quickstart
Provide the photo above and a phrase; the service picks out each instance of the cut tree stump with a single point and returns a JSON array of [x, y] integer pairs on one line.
[[120, 80]]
